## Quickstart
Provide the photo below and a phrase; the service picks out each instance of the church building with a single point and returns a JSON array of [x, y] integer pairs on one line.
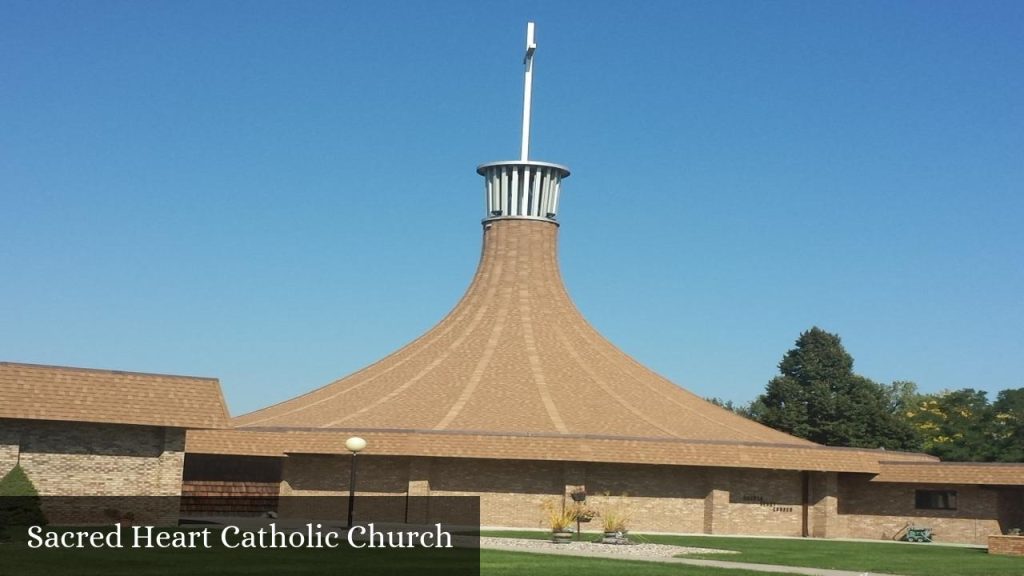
[[514, 397]]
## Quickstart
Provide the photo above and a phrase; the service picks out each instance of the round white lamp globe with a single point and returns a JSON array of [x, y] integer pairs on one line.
[[355, 444]]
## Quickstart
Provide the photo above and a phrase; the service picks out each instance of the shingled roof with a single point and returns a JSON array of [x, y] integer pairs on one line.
[[986, 473], [36, 392], [515, 357], [554, 447]]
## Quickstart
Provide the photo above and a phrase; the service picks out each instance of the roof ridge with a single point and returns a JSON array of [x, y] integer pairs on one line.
[[105, 371], [513, 434]]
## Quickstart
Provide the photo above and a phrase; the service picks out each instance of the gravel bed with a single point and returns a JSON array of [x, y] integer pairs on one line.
[[585, 548]]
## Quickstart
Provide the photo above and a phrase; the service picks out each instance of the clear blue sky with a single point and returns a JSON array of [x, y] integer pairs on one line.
[[279, 193]]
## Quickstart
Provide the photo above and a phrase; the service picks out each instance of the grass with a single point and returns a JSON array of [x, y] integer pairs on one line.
[[910, 560], [891, 558], [500, 563], [17, 559]]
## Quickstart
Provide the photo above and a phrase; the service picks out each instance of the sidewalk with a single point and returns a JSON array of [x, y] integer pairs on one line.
[[708, 563]]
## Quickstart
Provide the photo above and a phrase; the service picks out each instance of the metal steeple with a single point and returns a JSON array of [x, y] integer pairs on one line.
[[531, 46], [523, 189]]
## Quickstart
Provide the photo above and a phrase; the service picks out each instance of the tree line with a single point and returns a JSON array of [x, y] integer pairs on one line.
[[818, 396]]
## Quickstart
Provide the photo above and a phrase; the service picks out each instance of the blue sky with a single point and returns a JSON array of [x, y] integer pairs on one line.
[[277, 194]]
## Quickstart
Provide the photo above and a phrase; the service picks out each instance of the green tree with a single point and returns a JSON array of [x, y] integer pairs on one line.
[[19, 503], [1008, 424], [956, 425], [741, 409], [727, 404], [817, 396], [902, 396]]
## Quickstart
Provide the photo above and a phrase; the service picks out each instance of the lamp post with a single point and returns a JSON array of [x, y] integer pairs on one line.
[[354, 445]]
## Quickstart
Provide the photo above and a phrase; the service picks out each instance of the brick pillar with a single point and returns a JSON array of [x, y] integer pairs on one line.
[[168, 473], [824, 505], [171, 463], [10, 446], [418, 511], [716, 511], [716, 502]]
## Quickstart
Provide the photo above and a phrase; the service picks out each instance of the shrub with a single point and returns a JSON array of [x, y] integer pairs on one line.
[[19, 502], [558, 516], [16, 483], [615, 516]]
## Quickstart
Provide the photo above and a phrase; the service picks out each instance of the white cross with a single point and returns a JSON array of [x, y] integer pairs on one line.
[[531, 46]]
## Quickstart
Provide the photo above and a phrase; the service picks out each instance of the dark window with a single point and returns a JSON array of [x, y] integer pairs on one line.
[[935, 499]]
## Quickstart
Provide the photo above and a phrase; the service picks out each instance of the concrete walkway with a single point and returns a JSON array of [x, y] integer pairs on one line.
[[597, 553]]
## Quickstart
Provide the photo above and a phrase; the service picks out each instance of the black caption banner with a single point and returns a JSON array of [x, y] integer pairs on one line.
[[157, 536]]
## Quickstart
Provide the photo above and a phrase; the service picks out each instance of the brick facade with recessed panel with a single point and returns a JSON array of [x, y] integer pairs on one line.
[[876, 510], [89, 459], [682, 499]]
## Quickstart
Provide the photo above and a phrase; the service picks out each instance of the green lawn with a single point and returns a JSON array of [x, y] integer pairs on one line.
[[17, 560], [891, 558], [910, 560], [500, 563]]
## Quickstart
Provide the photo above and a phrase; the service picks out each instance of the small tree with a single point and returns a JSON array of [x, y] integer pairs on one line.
[[19, 502]]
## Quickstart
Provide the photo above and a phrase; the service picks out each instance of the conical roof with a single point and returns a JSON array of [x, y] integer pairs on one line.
[[515, 357], [515, 372]]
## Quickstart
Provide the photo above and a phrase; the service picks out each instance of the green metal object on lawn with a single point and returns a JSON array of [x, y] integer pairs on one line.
[[916, 534]]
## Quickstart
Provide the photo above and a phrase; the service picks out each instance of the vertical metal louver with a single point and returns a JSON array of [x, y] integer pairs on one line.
[[522, 189]]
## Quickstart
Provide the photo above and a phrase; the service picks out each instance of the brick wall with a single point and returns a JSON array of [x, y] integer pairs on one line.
[[661, 498], [85, 459], [666, 498], [216, 485], [324, 475], [880, 510], [767, 502], [9, 446], [1011, 508], [204, 498], [1006, 545], [512, 493]]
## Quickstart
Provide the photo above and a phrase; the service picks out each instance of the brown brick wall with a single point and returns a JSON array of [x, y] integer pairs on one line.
[[9, 446], [880, 510], [768, 503], [230, 485], [228, 498], [328, 475], [84, 459], [512, 493], [1011, 508], [1006, 545], [664, 498]]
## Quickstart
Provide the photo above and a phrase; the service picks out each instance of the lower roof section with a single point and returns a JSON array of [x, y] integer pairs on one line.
[[70, 394], [558, 447], [987, 473]]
